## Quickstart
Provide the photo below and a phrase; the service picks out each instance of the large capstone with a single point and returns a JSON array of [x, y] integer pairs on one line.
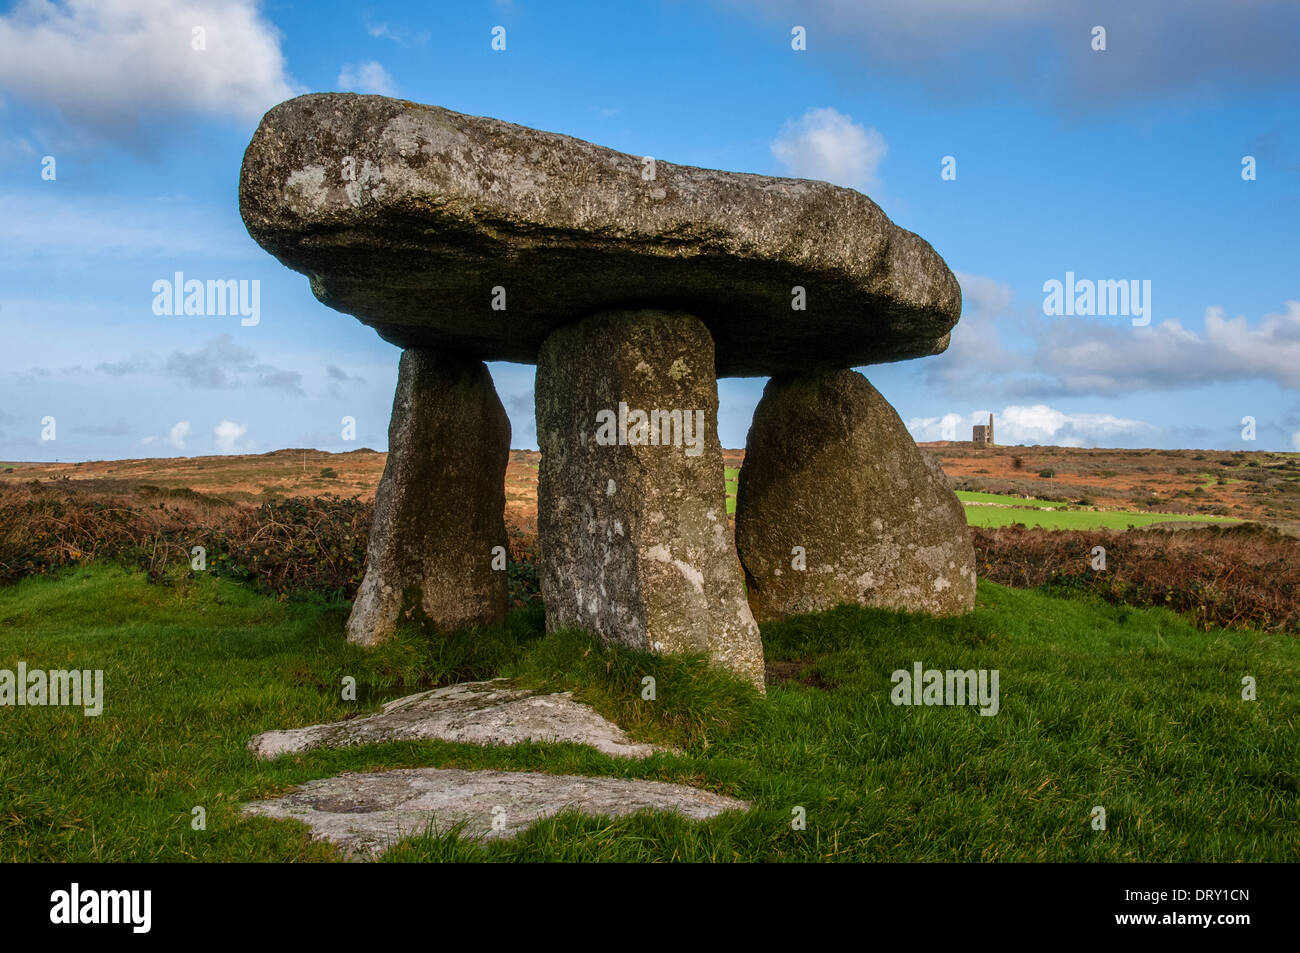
[[632, 511], [438, 539], [476, 235], [836, 504]]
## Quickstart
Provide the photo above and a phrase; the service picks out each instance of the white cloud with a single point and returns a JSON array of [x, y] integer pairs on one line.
[[1014, 352], [1037, 423], [227, 434], [983, 296], [399, 35], [1271, 349], [1040, 424], [218, 364], [826, 144], [368, 77], [1087, 356], [18, 147], [1156, 50], [976, 351], [176, 437], [1295, 440], [111, 67]]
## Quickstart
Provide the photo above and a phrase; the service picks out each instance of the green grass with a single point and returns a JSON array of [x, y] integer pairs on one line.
[[1079, 519], [1052, 514], [972, 497], [1035, 513], [1133, 710]]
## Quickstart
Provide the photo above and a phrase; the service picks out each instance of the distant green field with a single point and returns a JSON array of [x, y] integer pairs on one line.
[[1050, 514], [1036, 514], [967, 496], [733, 475], [1078, 519]]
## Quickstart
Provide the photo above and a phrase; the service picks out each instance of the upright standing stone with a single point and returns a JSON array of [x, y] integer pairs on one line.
[[836, 504], [440, 507], [631, 501]]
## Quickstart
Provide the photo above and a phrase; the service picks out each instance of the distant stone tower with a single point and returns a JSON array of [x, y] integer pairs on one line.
[[982, 436]]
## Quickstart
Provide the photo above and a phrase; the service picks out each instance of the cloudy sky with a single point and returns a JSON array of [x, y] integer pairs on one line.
[[123, 123]]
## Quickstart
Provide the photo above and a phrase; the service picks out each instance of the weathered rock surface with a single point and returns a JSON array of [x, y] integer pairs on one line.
[[830, 467], [408, 217], [440, 506], [481, 713], [365, 813], [634, 538]]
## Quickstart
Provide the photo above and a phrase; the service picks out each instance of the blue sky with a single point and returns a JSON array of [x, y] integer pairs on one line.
[[1115, 164]]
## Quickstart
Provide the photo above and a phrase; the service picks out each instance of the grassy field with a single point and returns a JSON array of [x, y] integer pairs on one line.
[[1133, 710], [966, 496], [1253, 485], [1056, 518], [998, 509], [1005, 510], [733, 481]]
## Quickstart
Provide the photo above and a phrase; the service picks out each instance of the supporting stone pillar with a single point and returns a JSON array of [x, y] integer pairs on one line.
[[440, 507], [836, 504], [632, 514]]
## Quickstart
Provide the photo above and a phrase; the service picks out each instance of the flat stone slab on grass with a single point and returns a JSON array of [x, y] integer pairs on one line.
[[365, 813], [481, 713]]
